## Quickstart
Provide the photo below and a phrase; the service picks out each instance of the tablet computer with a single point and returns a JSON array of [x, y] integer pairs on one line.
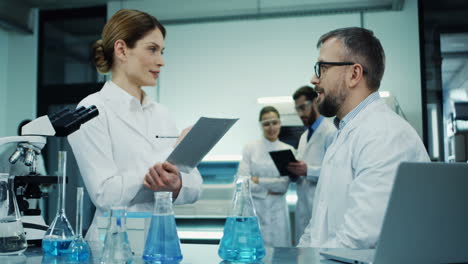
[[281, 158]]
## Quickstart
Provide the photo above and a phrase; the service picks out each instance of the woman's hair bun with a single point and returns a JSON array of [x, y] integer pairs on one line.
[[103, 65]]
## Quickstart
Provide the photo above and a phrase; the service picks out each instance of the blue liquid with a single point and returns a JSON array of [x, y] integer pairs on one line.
[[242, 240], [162, 244], [78, 251], [55, 247]]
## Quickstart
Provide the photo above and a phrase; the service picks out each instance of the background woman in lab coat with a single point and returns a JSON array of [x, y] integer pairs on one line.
[[268, 188], [121, 153]]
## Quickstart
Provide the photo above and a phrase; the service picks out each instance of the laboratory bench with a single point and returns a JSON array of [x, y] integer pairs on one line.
[[192, 253]]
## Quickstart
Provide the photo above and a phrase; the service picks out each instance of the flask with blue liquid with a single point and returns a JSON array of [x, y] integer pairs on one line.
[[242, 240], [60, 234], [162, 243], [79, 250]]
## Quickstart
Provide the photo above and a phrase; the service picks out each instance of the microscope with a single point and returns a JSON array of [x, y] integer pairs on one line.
[[32, 140]]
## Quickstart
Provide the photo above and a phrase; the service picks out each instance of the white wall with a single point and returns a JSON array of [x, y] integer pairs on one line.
[[399, 34], [3, 80], [220, 69], [19, 68], [22, 79]]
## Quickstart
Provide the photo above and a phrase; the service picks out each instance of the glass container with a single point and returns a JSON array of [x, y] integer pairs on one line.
[[242, 239], [12, 236], [162, 243], [78, 250], [60, 234], [117, 248]]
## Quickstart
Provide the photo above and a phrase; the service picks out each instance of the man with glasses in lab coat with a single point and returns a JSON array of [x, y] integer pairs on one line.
[[311, 149], [360, 164]]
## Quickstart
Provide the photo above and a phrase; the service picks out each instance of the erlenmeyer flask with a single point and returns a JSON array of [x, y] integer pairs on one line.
[[12, 237], [116, 245], [59, 235], [242, 240], [162, 243], [79, 249]]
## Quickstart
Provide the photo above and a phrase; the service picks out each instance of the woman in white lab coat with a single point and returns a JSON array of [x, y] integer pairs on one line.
[[267, 186], [121, 153]]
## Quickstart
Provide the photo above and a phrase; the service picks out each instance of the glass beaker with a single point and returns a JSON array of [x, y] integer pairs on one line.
[[162, 243], [78, 250], [60, 234], [12, 236], [242, 240], [116, 245]]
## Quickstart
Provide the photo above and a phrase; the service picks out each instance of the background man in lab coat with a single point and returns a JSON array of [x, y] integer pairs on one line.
[[311, 149], [371, 141]]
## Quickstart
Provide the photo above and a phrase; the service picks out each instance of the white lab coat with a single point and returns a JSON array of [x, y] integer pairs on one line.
[[272, 210], [312, 154], [115, 150], [357, 176]]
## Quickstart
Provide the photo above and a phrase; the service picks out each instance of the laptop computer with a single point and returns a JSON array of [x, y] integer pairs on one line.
[[426, 219]]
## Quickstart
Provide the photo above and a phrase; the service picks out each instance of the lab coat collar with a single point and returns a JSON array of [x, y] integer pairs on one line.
[[340, 124], [350, 126], [115, 93], [147, 101], [317, 123], [318, 132], [268, 143], [125, 104]]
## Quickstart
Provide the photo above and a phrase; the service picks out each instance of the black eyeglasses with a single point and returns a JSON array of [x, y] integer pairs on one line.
[[319, 64]]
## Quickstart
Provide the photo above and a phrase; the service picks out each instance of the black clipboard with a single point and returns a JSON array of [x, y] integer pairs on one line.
[[281, 158]]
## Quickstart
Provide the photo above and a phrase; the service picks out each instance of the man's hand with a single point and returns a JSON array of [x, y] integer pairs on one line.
[[164, 177], [298, 168]]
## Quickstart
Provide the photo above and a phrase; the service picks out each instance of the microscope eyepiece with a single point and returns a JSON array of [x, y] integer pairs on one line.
[[70, 121], [91, 113], [80, 110], [58, 115]]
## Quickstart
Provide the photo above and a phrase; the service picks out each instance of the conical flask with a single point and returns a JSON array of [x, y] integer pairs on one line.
[[79, 250], [60, 234], [12, 237], [242, 240], [116, 245], [162, 243]]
